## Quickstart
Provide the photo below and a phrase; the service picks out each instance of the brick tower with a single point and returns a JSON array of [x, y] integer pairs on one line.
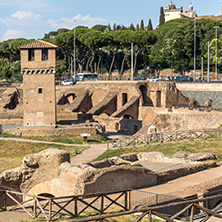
[[38, 66]]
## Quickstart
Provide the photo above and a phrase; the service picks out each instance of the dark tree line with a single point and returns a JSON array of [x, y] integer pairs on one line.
[[102, 48]]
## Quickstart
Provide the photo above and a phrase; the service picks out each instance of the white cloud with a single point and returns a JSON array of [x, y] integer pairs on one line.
[[11, 34], [21, 19], [81, 21], [25, 15], [23, 24]]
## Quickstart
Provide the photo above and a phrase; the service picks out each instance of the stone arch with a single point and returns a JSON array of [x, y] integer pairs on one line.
[[70, 97], [104, 114], [128, 117], [48, 189], [146, 101]]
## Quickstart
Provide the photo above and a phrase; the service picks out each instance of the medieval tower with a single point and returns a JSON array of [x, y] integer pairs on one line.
[[38, 66]]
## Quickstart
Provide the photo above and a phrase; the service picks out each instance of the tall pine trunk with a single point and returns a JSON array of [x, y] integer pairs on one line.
[[122, 66]]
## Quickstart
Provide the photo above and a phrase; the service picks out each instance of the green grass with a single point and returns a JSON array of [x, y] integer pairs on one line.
[[169, 149], [12, 152], [93, 139]]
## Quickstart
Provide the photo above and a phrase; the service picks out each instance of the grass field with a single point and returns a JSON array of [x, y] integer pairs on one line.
[[77, 139], [12, 152], [169, 149]]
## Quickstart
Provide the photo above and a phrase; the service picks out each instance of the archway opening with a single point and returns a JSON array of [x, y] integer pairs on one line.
[[146, 100], [127, 117], [158, 98], [124, 99], [45, 195]]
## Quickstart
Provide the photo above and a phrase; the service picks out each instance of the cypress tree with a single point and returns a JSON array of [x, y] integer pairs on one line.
[[162, 17], [150, 26], [137, 27], [114, 27], [142, 25], [132, 27]]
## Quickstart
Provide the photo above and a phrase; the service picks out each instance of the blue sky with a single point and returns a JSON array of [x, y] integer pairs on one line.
[[31, 19]]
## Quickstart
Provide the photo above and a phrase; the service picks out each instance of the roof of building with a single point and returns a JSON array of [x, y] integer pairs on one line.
[[188, 14], [38, 44], [216, 17]]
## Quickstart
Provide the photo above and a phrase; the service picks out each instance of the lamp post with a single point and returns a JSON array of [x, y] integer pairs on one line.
[[132, 61], [74, 55], [216, 27], [194, 65]]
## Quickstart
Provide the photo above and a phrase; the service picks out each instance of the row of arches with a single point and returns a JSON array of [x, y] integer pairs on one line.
[[35, 72]]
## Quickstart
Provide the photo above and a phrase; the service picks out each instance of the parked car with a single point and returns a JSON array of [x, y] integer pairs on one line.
[[178, 78], [183, 79], [186, 79], [153, 79], [67, 82], [169, 78]]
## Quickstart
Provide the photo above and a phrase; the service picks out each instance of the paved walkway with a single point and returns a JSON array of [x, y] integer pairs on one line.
[[89, 154]]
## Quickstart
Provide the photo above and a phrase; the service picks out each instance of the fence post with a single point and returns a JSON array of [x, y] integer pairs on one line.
[[75, 207], [150, 216], [34, 208], [192, 213], [129, 199], [126, 201], [107, 145], [102, 204], [50, 209], [161, 137]]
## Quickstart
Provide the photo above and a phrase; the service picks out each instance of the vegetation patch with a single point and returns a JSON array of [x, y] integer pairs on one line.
[[93, 139], [12, 152], [169, 149]]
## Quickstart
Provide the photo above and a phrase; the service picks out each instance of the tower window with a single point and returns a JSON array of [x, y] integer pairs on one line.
[[39, 90], [31, 55], [44, 54]]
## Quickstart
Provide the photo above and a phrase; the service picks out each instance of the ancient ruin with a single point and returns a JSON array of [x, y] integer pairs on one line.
[[121, 106], [50, 172]]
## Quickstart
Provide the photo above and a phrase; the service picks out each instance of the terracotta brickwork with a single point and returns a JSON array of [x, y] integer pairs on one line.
[[38, 64]]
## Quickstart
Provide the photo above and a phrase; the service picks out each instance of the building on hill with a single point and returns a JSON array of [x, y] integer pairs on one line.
[[213, 17], [171, 12]]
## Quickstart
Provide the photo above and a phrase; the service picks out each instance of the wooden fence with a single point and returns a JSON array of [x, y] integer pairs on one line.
[[189, 209], [165, 137], [186, 210], [49, 207]]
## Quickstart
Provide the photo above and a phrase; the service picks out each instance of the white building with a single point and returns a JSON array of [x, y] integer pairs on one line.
[[171, 12]]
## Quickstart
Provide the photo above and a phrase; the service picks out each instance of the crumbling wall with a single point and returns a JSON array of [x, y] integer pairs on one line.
[[35, 169], [187, 120]]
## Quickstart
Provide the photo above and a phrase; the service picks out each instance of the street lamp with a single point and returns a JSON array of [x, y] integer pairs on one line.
[[194, 65], [216, 27], [74, 55]]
